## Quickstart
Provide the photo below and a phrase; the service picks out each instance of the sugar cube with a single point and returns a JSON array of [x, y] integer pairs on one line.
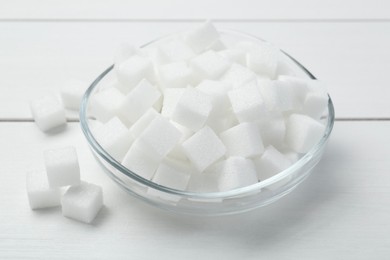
[[123, 52], [201, 37], [104, 104], [234, 55], [72, 92], [40, 195], [209, 65], [82, 202], [114, 137], [274, 130], [263, 60], [204, 148], [176, 75], [171, 98], [192, 109], [302, 132], [235, 172], [138, 101], [139, 126], [246, 46], [243, 140], [220, 123], [315, 104], [284, 68], [247, 103], [177, 152], [270, 163], [176, 50], [278, 95], [217, 90], [237, 75], [62, 166], [218, 45], [204, 182], [48, 112]]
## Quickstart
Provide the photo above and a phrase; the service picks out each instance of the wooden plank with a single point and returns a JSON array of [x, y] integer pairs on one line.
[[351, 58], [200, 9], [340, 212]]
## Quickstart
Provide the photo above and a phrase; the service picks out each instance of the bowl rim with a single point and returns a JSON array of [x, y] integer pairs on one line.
[[305, 159]]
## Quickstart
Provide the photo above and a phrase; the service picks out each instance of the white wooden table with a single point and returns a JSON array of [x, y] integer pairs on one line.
[[341, 212]]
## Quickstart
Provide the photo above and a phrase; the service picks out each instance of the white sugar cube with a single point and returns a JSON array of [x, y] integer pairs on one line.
[[302, 132], [264, 60], [209, 65], [270, 163], [217, 90], [299, 86], [247, 103], [62, 166], [235, 172], [204, 148], [72, 92], [114, 137], [171, 98], [177, 152], [237, 75], [139, 126], [284, 68], [192, 109], [201, 37], [220, 123], [48, 112], [176, 50], [292, 156], [133, 70], [204, 182], [104, 104], [82, 202], [140, 161], [243, 140], [246, 46], [138, 101], [278, 95], [40, 195], [274, 130], [159, 137], [315, 104], [173, 174], [218, 45], [234, 55], [123, 52], [176, 75]]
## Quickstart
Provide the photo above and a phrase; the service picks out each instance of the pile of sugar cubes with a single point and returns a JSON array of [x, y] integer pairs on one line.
[[191, 113], [81, 200]]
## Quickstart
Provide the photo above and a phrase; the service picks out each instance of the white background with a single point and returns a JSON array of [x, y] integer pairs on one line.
[[342, 211]]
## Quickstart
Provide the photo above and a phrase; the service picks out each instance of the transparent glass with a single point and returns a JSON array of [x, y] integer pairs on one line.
[[211, 203]]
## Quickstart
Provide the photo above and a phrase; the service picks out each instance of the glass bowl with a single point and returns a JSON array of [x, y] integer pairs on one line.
[[210, 203]]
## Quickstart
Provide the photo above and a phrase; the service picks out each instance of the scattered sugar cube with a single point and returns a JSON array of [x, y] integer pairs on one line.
[[202, 37], [48, 112], [270, 163], [176, 50], [40, 195], [264, 60], [315, 104], [62, 166], [243, 140], [82, 202], [138, 101], [192, 109], [176, 75], [114, 137], [237, 75], [204, 148], [302, 132], [104, 104], [217, 90], [139, 126], [72, 92], [171, 98], [274, 130], [234, 55], [159, 137], [209, 65], [247, 103], [140, 161], [235, 172], [133, 70]]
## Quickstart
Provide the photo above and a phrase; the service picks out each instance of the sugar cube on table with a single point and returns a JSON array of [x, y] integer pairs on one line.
[[139, 126], [62, 166], [171, 98], [209, 65], [104, 104], [192, 109], [138, 101], [303, 132], [247, 103], [176, 50], [204, 148], [202, 37], [217, 90], [140, 161], [159, 137], [243, 140], [40, 195], [72, 92], [237, 75], [114, 137], [234, 55], [48, 112], [133, 70], [176, 75], [82, 202], [235, 172], [270, 163], [264, 60]]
